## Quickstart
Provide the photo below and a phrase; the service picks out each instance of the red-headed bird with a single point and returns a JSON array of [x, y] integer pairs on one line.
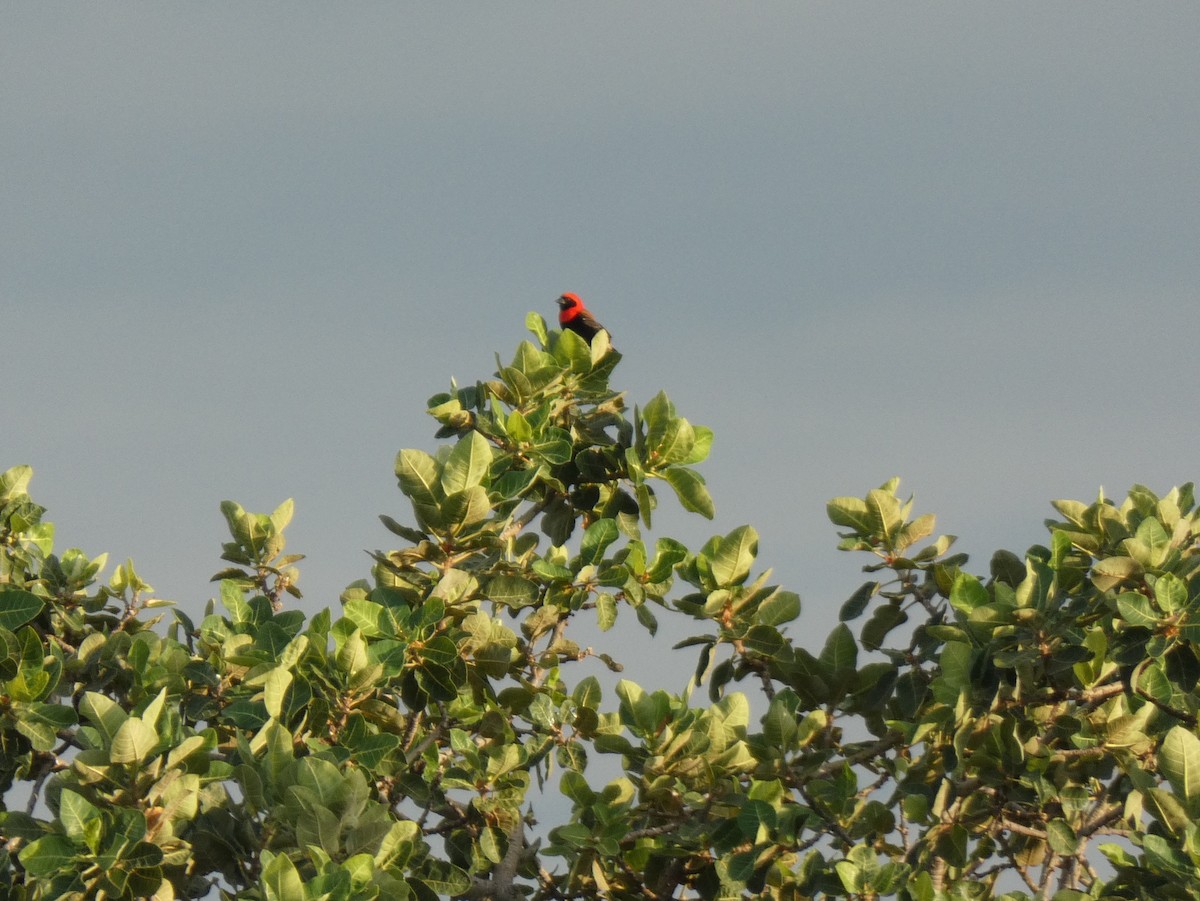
[[574, 315]]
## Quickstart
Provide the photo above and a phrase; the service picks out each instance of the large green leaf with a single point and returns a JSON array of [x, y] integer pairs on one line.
[[103, 713], [967, 593], [850, 512], [321, 827], [840, 651], [75, 812], [1112, 571], [883, 511], [134, 742], [734, 556], [689, 487], [465, 508], [18, 607], [280, 880], [1135, 609], [513, 591], [467, 464], [1179, 759], [418, 475], [596, 539], [275, 690], [441, 877], [781, 607], [14, 482], [47, 855], [41, 723], [573, 352]]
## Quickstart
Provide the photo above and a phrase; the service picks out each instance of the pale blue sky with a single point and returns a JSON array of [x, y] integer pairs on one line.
[[240, 245]]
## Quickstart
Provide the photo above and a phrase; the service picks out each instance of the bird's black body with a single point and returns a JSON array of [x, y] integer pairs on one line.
[[575, 316]]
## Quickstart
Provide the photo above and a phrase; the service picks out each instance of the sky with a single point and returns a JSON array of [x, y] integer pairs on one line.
[[241, 245]]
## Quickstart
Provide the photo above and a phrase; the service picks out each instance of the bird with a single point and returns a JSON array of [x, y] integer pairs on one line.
[[573, 315]]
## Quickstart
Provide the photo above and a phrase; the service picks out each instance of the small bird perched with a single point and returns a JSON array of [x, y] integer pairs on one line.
[[573, 315]]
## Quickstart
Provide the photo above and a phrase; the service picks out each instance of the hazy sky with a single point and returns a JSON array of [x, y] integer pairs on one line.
[[242, 244]]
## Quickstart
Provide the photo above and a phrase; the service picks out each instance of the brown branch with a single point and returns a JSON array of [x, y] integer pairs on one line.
[[1022, 871], [515, 527], [1022, 829], [499, 886], [860, 756], [1046, 886]]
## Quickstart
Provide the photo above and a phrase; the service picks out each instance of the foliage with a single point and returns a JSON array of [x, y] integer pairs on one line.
[[1031, 731]]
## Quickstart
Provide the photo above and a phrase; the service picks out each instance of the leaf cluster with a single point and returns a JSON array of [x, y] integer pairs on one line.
[[1028, 732]]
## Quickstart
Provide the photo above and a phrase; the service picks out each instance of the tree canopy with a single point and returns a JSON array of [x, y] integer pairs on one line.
[[1025, 732]]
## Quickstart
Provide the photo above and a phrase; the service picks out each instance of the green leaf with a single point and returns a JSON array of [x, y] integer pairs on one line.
[[491, 843], [741, 866], [518, 428], [1061, 837], [883, 510], [41, 723], [75, 812], [513, 592], [283, 515], [587, 693], [1179, 760], [921, 527], [466, 508], [47, 855], [689, 487], [596, 539], [670, 443], [702, 439], [14, 482], [840, 651], [371, 750], [850, 512], [133, 743], [18, 607], [154, 709], [536, 324], [398, 844], [275, 690], [667, 554], [646, 619], [1171, 592], [734, 556], [857, 602], [1112, 571], [883, 620], [372, 618], [280, 880], [441, 877], [467, 464], [764, 640], [1135, 609], [967, 593], [955, 659], [572, 351], [756, 819], [554, 448], [103, 713], [575, 787], [319, 826], [234, 600], [781, 607], [418, 475], [606, 611], [779, 722]]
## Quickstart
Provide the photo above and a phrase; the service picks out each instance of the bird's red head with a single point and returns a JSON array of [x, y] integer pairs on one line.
[[569, 306]]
